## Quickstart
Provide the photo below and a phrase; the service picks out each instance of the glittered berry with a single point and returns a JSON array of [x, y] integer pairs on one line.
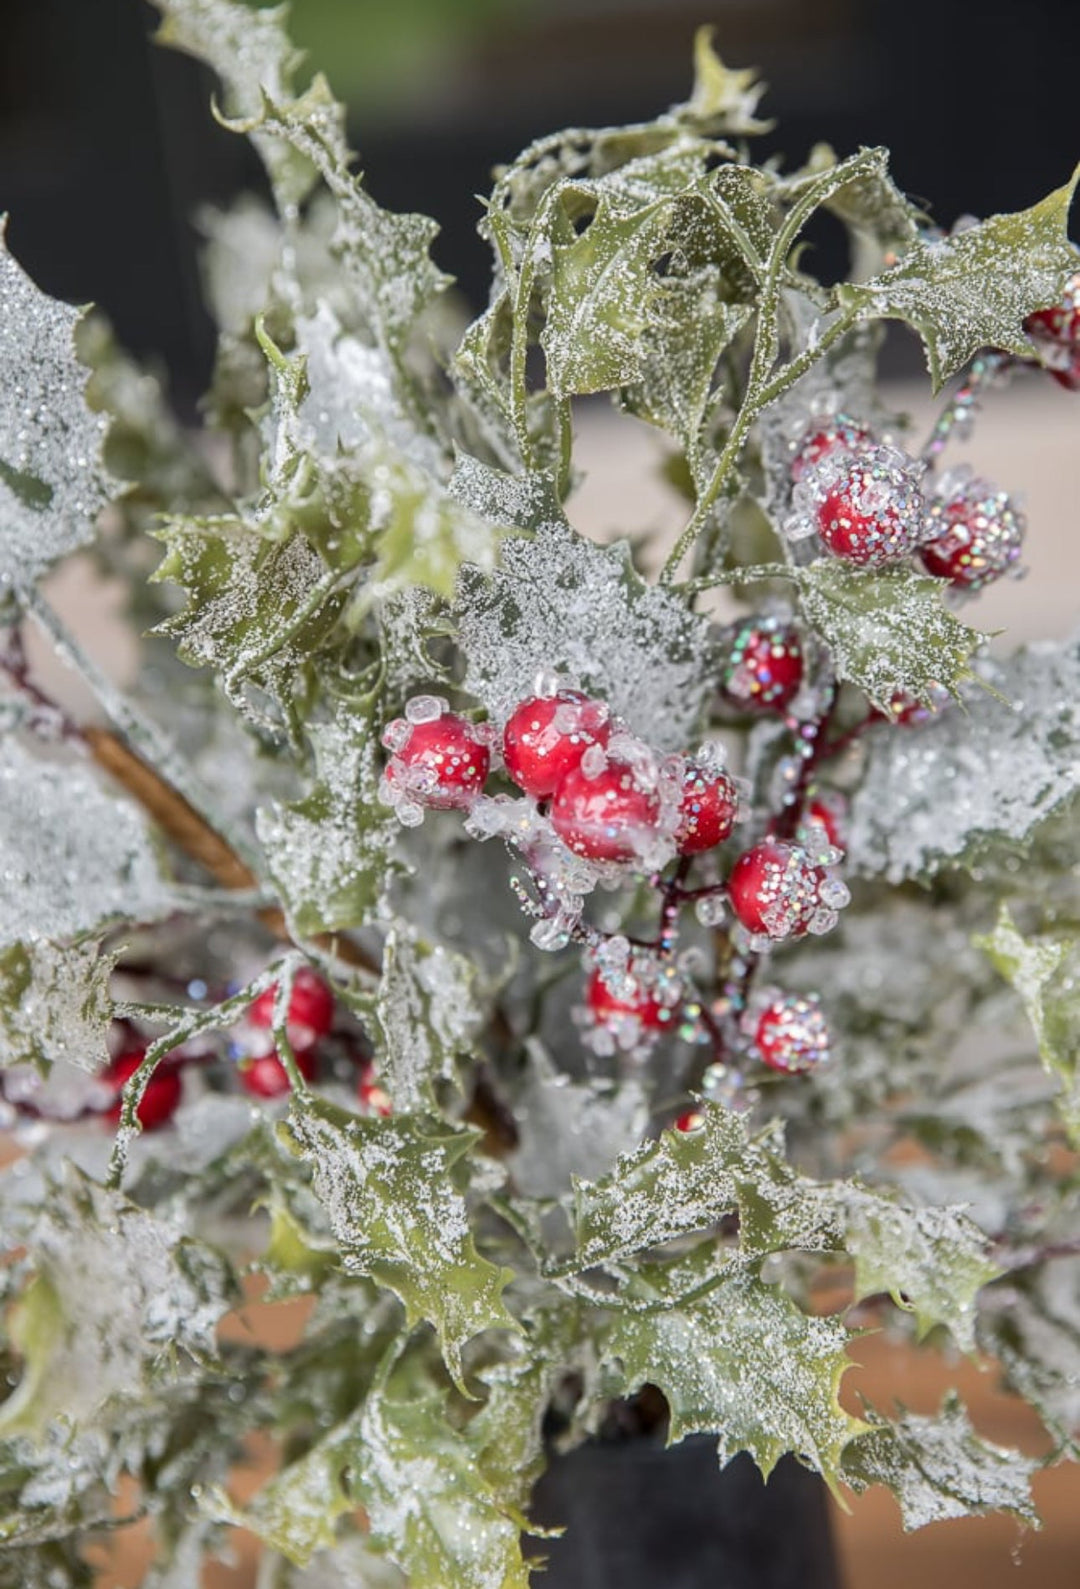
[[608, 816], [635, 1001], [825, 438], [764, 671], [906, 710], [311, 1008], [791, 1034], [708, 812], [1056, 335], [438, 760], [866, 507], [161, 1099], [774, 889], [824, 823], [546, 736], [374, 1099], [265, 1075], [976, 532], [690, 1120]]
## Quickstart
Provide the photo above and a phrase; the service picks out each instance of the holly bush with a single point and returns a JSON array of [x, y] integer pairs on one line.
[[557, 990]]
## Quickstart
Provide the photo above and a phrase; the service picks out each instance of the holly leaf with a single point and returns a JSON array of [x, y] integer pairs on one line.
[[119, 1302], [560, 602], [1009, 761], [1031, 1327], [428, 1014], [55, 1004], [939, 1468], [975, 289], [888, 632], [1045, 971], [97, 866], [707, 1357], [329, 852], [53, 480], [723, 99], [390, 1191]]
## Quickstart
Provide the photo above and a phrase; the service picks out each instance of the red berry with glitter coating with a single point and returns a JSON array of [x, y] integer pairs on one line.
[[546, 736], [442, 763], [606, 817], [838, 434], [774, 889], [605, 1006], [791, 1034], [163, 1092], [266, 1077], [977, 533], [1056, 335], [765, 666], [709, 809]]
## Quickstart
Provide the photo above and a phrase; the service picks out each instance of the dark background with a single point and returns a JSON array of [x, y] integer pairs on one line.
[[107, 147]]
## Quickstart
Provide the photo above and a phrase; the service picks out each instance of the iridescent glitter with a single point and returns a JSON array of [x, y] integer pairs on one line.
[[765, 665], [866, 507], [791, 1034], [778, 892], [822, 438], [976, 531], [1056, 335]]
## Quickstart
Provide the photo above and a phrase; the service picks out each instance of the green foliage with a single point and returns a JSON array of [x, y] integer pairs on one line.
[[373, 512]]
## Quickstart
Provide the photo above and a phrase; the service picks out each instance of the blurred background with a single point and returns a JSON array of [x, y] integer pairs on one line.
[[107, 151]]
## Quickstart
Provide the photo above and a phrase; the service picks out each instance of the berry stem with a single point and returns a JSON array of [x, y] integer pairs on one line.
[[959, 412]]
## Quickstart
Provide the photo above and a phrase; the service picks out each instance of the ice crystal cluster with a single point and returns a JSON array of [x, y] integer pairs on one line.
[[315, 985]]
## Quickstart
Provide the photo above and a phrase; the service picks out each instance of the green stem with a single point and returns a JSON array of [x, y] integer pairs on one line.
[[280, 1022], [140, 732], [519, 343], [199, 1021]]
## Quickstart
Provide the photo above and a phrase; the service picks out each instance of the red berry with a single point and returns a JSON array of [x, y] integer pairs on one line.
[[765, 668], [545, 738], [160, 1100], [977, 533], [792, 1035], [868, 507], [690, 1120], [774, 889], [905, 710], [710, 806], [826, 813], [311, 1008], [823, 441], [374, 1099], [1056, 335], [606, 817], [606, 1007], [266, 1077], [441, 763]]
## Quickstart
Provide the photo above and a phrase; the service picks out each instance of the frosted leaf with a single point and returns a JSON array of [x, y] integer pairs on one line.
[[560, 601], [252, 54], [121, 1298], [429, 1015], [242, 252], [389, 1189], [53, 482], [741, 1362], [1045, 971], [329, 852], [723, 99], [975, 289], [939, 1468], [350, 1565], [569, 1128], [72, 856], [1030, 1326], [889, 631], [943, 792], [54, 1004]]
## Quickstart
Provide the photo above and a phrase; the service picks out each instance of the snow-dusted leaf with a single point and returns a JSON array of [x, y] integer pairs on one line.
[[943, 792], [939, 1468], [253, 55], [390, 1188], [53, 481], [120, 1300], [1045, 971], [329, 852], [570, 1128], [888, 632], [931, 1260], [1031, 1326], [349, 1565], [741, 1362], [54, 1004], [429, 1015], [72, 856], [975, 289], [561, 602], [723, 99], [871, 206]]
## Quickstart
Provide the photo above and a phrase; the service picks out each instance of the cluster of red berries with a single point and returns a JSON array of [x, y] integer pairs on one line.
[[258, 1065], [869, 504]]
